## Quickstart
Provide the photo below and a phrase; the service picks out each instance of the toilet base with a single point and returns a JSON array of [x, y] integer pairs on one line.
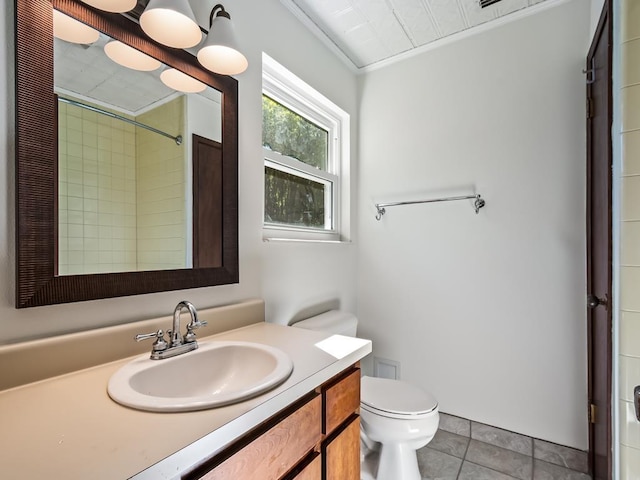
[[369, 457], [390, 462], [393, 453], [369, 465], [398, 461]]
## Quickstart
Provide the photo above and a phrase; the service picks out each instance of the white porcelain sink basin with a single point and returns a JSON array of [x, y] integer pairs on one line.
[[214, 375]]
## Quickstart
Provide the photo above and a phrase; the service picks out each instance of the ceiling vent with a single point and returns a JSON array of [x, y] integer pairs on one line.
[[486, 3]]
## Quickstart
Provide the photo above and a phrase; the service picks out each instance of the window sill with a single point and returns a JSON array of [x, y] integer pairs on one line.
[[304, 240]]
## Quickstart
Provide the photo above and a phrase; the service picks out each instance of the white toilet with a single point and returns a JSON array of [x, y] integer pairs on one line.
[[396, 417]]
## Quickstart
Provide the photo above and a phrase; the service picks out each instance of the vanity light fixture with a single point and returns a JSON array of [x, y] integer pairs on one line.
[[171, 23], [219, 52], [129, 57], [182, 82], [71, 30], [115, 6]]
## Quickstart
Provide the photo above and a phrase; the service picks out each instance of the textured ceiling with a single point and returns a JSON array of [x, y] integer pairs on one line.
[[369, 31], [85, 71]]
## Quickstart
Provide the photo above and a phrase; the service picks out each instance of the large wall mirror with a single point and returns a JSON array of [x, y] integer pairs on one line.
[[126, 183]]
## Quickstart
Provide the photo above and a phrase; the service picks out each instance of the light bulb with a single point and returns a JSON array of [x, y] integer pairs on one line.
[[129, 57], [182, 82], [71, 30], [115, 6]]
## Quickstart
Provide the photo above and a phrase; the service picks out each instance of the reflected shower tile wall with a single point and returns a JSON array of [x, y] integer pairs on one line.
[[96, 192], [629, 340], [161, 173]]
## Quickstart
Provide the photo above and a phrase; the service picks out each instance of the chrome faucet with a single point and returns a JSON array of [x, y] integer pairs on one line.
[[176, 345]]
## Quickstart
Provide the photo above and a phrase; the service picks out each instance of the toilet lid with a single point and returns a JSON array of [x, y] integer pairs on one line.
[[395, 397]]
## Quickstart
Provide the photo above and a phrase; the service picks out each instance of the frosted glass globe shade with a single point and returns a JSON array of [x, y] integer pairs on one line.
[[219, 53], [71, 30], [115, 6], [182, 82], [129, 57], [171, 23]]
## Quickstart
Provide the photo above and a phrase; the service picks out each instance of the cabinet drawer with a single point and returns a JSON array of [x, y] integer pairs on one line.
[[342, 399], [277, 450]]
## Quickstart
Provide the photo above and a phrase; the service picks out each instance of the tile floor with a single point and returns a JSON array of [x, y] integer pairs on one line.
[[466, 450]]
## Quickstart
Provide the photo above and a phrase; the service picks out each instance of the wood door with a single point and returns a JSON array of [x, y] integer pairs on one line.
[[207, 203], [599, 257]]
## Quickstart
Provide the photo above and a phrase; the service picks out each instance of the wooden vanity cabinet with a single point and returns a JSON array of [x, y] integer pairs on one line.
[[316, 438]]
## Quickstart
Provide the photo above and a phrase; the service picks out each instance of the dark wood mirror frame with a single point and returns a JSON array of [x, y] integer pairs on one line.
[[37, 164]]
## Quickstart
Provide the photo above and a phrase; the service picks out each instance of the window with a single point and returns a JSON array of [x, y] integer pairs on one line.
[[306, 159]]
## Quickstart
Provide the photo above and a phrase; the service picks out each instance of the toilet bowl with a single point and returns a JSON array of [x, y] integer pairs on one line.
[[401, 418], [397, 418]]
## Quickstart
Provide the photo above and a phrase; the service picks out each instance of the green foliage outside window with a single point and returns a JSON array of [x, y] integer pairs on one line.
[[292, 135], [291, 199]]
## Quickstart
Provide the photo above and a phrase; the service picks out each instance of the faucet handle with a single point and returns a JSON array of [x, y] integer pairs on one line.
[[190, 336], [159, 345]]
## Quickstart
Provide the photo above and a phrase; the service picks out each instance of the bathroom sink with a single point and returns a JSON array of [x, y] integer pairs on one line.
[[214, 375]]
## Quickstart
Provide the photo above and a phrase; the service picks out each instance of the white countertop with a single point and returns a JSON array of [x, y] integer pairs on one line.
[[68, 427]]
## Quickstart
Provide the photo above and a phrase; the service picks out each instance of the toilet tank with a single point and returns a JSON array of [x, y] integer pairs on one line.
[[333, 321]]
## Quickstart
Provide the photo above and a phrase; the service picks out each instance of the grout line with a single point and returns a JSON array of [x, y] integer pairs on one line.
[[533, 468], [493, 469], [464, 457], [533, 460], [533, 440]]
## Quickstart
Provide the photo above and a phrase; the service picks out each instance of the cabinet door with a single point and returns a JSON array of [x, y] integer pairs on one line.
[[313, 471], [342, 399], [342, 453]]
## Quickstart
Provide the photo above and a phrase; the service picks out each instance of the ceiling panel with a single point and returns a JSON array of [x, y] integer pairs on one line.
[[369, 31], [475, 15], [389, 31], [416, 20], [504, 7], [448, 16]]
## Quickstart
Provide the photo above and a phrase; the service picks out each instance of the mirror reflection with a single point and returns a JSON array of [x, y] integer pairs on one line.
[[139, 161]]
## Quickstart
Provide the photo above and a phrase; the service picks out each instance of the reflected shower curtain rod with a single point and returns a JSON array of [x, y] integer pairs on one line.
[[477, 205], [177, 139]]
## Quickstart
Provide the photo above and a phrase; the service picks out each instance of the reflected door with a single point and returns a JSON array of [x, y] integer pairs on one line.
[[207, 203], [599, 258]]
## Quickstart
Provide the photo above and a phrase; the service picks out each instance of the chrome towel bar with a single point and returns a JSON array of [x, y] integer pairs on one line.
[[477, 205]]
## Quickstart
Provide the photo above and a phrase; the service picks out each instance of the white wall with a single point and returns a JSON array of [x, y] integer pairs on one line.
[[289, 276], [596, 10], [485, 311]]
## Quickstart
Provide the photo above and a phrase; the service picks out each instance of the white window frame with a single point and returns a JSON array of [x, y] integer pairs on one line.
[[285, 88]]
